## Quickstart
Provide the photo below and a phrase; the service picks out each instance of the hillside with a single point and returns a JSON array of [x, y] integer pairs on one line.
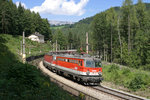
[[84, 25], [14, 45], [20, 81]]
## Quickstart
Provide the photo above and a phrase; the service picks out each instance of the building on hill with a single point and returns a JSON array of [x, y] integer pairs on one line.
[[36, 37]]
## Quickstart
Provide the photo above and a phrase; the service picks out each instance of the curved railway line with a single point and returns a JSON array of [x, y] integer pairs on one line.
[[88, 92], [117, 93]]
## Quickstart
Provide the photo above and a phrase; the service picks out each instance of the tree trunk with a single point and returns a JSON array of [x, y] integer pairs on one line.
[[111, 43], [119, 37], [99, 54], [104, 53], [129, 43]]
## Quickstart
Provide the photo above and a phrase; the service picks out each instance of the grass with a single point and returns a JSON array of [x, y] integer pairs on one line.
[[14, 45], [133, 79], [20, 81]]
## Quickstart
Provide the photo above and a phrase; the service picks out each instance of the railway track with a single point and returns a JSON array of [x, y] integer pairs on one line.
[[90, 93], [118, 94]]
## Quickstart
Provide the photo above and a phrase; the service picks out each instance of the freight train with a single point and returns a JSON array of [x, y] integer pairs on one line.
[[81, 68]]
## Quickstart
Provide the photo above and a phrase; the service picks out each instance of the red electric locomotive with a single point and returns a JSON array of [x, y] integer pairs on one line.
[[84, 69]]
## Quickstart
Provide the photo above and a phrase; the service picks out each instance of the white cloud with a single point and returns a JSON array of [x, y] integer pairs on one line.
[[22, 4], [61, 7]]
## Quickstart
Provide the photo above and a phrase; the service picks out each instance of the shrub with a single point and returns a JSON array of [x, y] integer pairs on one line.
[[126, 72], [132, 79], [113, 73], [113, 68], [146, 67], [137, 82]]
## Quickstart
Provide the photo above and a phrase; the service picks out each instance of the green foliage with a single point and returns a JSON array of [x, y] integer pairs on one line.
[[61, 40], [113, 68], [123, 36], [78, 31], [146, 67], [23, 81], [127, 77], [13, 43], [82, 96], [137, 82], [15, 20]]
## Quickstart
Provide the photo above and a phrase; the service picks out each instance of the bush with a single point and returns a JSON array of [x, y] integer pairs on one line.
[[137, 82], [126, 77], [23, 81], [126, 72], [114, 68], [113, 73], [146, 67], [20, 81]]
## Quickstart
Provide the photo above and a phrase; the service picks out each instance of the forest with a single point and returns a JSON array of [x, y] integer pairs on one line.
[[119, 34], [15, 20], [20, 81], [124, 37]]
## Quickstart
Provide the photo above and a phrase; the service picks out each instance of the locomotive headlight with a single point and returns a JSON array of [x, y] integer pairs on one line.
[[100, 73], [88, 72]]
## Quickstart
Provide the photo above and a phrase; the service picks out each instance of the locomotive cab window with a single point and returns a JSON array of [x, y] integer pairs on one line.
[[90, 63], [81, 63], [54, 58], [93, 63], [98, 63]]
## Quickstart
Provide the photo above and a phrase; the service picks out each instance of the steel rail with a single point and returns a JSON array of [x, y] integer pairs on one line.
[[117, 93], [101, 90]]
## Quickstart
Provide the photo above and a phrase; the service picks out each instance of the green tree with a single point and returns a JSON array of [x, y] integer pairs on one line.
[[70, 40], [141, 15], [99, 33], [61, 39], [4, 15], [76, 41], [21, 19], [126, 21], [111, 22]]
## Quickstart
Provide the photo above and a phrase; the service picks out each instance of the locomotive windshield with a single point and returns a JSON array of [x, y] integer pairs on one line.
[[90, 63], [93, 63], [98, 64]]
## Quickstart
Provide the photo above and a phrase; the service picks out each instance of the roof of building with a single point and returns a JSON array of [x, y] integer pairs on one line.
[[37, 34]]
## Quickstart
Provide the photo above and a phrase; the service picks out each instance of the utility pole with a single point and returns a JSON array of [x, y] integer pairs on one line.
[[59, 46], [56, 45], [24, 54], [87, 44]]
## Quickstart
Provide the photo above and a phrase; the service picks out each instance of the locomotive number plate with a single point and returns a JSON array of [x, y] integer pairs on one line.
[[94, 71]]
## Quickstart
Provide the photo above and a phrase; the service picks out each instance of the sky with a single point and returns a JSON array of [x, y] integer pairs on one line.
[[69, 10]]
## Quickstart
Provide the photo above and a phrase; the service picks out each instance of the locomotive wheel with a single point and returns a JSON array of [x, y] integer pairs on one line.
[[58, 72], [79, 80], [74, 78], [85, 83]]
